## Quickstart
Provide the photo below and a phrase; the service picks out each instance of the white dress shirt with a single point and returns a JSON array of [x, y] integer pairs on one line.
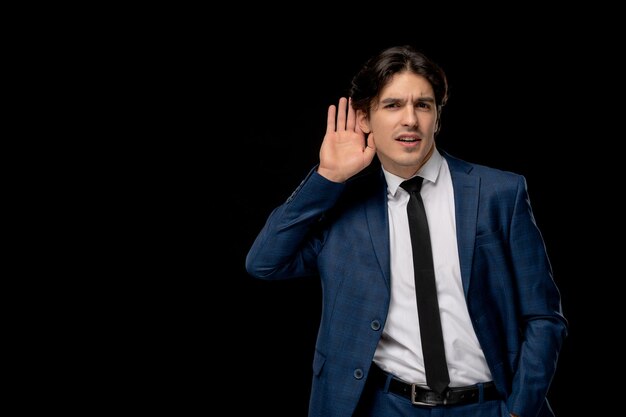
[[400, 351]]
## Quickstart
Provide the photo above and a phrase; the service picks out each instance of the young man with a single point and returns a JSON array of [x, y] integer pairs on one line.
[[347, 222]]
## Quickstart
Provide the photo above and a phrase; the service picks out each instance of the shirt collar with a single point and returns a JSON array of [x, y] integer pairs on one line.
[[429, 171]]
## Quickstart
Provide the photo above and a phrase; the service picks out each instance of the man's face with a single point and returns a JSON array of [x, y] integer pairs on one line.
[[403, 122]]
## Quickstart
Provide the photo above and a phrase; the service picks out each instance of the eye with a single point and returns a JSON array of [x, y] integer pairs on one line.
[[423, 105], [392, 105]]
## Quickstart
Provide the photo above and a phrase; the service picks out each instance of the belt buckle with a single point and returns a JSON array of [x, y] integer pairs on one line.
[[414, 402]]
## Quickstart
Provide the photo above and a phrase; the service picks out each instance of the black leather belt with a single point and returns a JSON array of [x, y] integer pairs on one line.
[[422, 396]]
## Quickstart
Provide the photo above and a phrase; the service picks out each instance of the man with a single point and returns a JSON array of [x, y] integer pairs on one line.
[[347, 222]]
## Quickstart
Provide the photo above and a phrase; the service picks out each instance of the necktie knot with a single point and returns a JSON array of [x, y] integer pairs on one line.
[[412, 185]]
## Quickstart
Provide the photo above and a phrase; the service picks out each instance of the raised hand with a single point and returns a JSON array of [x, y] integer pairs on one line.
[[345, 150]]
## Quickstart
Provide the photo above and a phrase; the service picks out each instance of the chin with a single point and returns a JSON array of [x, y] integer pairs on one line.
[[411, 161]]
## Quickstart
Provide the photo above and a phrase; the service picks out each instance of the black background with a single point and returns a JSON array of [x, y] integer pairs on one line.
[[244, 117]]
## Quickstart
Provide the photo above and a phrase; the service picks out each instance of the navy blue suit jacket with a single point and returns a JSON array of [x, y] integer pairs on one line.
[[341, 233]]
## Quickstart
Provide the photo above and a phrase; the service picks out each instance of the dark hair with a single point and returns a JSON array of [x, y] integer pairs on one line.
[[378, 70]]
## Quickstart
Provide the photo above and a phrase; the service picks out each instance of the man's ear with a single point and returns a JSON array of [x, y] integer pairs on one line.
[[363, 121]]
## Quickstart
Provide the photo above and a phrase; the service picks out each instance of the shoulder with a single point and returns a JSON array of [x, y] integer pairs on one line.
[[486, 173]]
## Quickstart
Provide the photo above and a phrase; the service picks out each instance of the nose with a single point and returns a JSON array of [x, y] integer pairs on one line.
[[409, 116]]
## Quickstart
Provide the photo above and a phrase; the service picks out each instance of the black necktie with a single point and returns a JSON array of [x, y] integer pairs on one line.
[[437, 376]]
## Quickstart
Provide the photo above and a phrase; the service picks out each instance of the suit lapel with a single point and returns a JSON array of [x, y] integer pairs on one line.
[[378, 223], [466, 191]]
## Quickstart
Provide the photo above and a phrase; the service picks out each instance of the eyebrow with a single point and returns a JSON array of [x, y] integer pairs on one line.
[[419, 100]]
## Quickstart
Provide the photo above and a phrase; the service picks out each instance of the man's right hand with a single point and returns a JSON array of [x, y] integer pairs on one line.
[[345, 151]]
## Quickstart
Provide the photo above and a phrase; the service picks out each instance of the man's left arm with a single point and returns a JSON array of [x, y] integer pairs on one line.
[[542, 322]]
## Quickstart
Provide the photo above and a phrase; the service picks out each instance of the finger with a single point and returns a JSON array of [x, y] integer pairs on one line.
[[330, 120], [351, 117], [341, 114]]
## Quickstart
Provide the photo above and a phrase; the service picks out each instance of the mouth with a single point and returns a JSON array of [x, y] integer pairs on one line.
[[408, 139]]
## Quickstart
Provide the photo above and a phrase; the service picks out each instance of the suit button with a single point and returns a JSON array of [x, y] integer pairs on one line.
[[375, 324], [358, 373]]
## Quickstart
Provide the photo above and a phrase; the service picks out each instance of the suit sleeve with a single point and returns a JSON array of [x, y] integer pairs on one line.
[[288, 244], [543, 326]]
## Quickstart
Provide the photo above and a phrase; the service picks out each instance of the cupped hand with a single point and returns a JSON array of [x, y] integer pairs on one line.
[[345, 150]]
